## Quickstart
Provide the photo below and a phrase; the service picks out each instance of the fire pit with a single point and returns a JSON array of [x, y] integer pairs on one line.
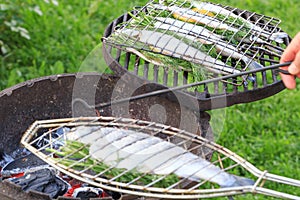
[[55, 97]]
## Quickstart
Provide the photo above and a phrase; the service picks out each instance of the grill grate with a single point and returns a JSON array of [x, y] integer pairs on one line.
[[157, 43], [147, 159]]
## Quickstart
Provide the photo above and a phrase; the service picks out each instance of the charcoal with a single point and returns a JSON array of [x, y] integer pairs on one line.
[[43, 180]]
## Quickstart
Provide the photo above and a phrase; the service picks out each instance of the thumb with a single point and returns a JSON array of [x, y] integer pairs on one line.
[[294, 68]]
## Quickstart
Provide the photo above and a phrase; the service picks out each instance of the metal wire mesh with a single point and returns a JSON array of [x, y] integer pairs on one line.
[[82, 153], [203, 38], [211, 53]]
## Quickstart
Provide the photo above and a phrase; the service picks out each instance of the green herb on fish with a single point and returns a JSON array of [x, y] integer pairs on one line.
[[199, 72], [139, 20], [191, 4], [197, 37], [74, 151], [139, 154], [184, 3], [217, 23], [201, 41], [240, 22]]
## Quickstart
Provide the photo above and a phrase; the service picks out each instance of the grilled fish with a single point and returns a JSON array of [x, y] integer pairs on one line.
[[277, 36], [129, 149], [195, 17], [171, 46], [205, 37]]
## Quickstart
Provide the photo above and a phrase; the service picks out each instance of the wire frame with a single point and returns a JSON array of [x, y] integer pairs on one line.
[[130, 181], [229, 55], [203, 38]]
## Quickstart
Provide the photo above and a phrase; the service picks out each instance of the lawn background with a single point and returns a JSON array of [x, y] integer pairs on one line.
[[265, 132]]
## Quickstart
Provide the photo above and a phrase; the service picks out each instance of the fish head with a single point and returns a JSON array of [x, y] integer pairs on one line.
[[132, 33]]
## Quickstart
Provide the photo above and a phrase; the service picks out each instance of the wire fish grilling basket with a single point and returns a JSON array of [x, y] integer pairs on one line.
[[177, 42], [147, 159]]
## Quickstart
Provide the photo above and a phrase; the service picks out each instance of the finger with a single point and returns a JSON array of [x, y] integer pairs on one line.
[[290, 52], [288, 80], [295, 66]]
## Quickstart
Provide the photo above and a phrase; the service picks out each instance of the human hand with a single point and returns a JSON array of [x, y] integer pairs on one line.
[[291, 53]]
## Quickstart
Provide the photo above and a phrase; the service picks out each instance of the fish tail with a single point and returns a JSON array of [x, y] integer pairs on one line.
[[241, 181], [252, 64], [278, 37], [249, 78]]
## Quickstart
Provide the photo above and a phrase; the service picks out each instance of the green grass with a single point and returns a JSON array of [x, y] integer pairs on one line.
[[264, 132], [60, 39]]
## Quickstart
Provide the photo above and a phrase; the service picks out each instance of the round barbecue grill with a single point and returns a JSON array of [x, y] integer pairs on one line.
[[208, 95], [51, 97]]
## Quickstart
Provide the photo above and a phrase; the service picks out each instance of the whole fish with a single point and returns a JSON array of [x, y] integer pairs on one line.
[[195, 17], [206, 37], [186, 27], [128, 149], [201, 18], [277, 36], [171, 46]]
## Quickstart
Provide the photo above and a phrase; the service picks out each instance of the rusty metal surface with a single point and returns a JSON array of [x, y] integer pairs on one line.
[[51, 97]]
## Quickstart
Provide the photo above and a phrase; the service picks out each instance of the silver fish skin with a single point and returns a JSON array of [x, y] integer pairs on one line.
[[187, 27], [200, 18], [128, 149], [174, 47], [222, 47], [199, 30], [277, 36], [230, 51]]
